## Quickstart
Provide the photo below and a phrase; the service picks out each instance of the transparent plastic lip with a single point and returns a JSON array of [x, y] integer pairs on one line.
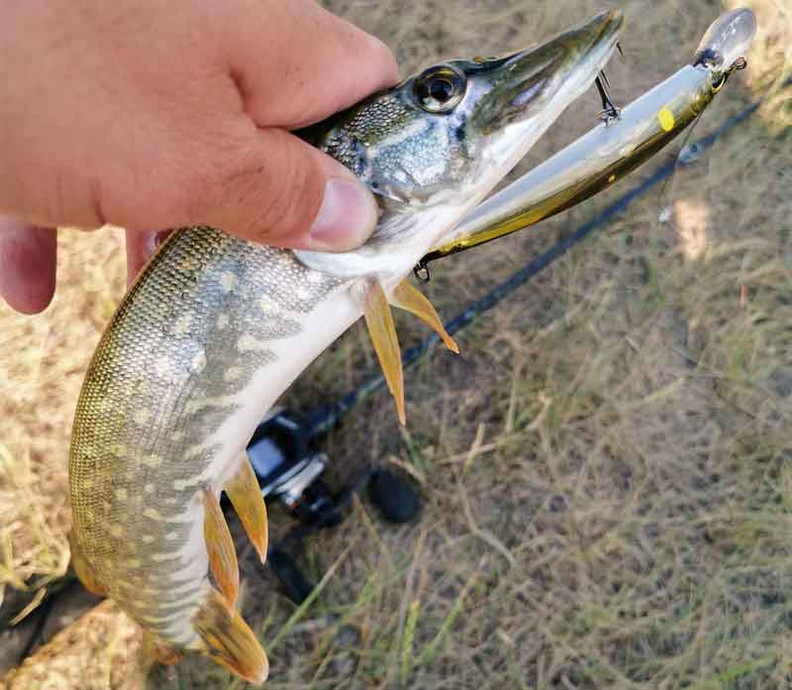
[[729, 37]]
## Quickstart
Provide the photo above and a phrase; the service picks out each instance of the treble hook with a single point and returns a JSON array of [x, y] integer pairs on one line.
[[609, 111]]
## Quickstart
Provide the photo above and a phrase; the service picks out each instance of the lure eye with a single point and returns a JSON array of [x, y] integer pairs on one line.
[[439, 89]]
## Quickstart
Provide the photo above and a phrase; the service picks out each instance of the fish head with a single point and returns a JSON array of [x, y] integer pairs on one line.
[[435, 145]]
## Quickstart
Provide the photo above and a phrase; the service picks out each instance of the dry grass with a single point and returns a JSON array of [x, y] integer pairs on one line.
[[101, 650], [607, 467], [42, 365]]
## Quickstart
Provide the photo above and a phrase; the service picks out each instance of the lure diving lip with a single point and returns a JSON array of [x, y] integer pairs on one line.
[[614, 148]]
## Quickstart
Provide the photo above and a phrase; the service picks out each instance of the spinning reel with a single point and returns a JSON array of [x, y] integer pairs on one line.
[[289, 469]]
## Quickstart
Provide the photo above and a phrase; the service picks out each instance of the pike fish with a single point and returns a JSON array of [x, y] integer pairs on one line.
[[215, 329]]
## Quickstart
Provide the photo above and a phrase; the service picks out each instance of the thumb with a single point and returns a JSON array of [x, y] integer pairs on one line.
[[284, 192]]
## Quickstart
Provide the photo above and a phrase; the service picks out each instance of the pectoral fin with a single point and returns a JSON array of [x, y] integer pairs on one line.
[[220, 546], [383, 334], [245, 495], [406, 297]]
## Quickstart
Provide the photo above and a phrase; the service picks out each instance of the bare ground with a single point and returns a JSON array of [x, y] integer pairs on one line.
[[607, 467]]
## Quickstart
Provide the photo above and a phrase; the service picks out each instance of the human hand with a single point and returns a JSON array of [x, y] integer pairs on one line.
[[151, 115]]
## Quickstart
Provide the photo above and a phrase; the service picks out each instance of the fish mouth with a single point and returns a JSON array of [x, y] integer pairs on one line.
[[523, 84]]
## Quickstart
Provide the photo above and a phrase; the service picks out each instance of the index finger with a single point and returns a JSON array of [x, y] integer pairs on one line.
[[296, 63]]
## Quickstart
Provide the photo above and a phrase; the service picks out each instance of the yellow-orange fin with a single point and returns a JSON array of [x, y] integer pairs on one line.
[[228, 640], [383, 334], [406, 297], [220, 546], [244, 493], [83, 570]]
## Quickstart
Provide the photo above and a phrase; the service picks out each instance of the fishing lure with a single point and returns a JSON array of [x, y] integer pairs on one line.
[[621, 143]]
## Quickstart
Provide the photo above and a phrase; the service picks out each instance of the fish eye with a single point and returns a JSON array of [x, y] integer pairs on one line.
[[439, 89]]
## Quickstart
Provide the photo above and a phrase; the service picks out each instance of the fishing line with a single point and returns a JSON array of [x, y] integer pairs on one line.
[[686, 155], [664, 195], [323, 418]]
